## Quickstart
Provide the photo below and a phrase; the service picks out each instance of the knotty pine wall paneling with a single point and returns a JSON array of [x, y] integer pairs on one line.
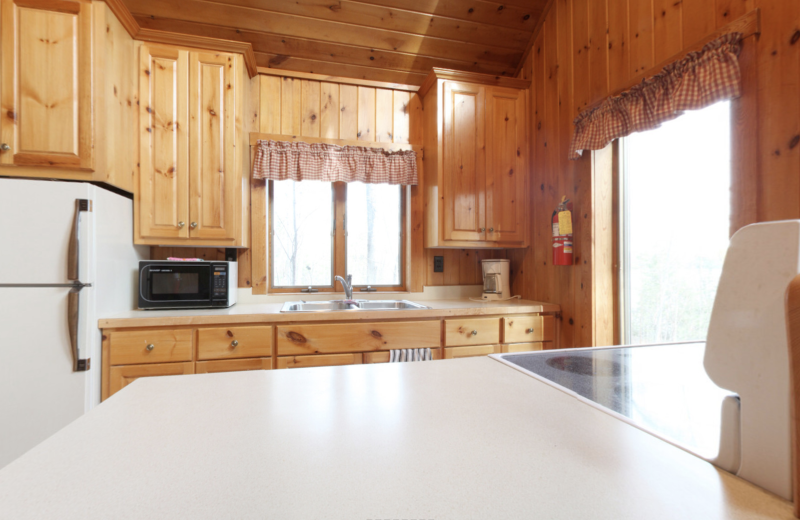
[[327, 108], [586, 49]]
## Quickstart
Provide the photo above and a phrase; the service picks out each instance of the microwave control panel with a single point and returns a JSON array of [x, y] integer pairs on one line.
[[219, 278]]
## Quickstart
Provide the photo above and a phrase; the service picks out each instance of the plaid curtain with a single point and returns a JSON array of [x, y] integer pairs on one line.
[[700, 79], [297, 161]]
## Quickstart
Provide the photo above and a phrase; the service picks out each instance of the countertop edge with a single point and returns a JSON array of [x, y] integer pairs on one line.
[[344, 316]]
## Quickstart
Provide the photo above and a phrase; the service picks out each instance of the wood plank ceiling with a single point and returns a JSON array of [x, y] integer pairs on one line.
[[383, 40]]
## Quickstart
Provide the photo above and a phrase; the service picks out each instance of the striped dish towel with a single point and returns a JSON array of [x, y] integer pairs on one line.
[[410, 354]]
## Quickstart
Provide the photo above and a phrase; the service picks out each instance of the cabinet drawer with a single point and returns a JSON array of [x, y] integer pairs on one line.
[[150, 346], [328, 360], [356, 337], [522, 347], [462, 352], [232, 365], [383, 356], [525, 329], [234, 342], [120, 377], [471, 331]]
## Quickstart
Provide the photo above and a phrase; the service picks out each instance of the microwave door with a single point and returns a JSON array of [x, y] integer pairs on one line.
[[182, 285]]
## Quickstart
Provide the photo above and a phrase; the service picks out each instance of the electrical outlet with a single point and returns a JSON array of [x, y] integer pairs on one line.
[[438, 264]]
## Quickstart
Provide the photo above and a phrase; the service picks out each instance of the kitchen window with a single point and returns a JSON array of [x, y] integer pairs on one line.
[[675, 217], [319, 230]]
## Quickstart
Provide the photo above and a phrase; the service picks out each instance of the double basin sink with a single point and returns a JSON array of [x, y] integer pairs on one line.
[[351, 305]]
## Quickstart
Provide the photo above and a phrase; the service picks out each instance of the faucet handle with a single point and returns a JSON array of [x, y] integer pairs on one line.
[[350, 279]]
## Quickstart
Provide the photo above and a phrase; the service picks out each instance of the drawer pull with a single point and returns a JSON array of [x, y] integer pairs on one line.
[[234, 344], [474, 332], [529, 331], [150, 347]]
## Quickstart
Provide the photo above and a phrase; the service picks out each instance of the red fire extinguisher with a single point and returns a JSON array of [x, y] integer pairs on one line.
[[562, 233]]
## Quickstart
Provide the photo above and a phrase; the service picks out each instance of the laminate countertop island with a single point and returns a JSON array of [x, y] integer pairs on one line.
[[452, 439]]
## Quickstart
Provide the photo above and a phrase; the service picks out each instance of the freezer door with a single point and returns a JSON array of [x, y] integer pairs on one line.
[[39, 392], [36, 221]]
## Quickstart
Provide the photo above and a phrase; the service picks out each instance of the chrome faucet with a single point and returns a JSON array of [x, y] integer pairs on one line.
[[347, 285]]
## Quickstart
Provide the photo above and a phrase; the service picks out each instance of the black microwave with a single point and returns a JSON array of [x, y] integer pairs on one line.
[[187, 285]]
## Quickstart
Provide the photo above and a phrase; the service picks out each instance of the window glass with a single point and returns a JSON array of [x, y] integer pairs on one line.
[[374, 230], [302, 242], [676, 220]]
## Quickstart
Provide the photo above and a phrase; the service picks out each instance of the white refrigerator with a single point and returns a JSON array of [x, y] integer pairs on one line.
[[67, 259]]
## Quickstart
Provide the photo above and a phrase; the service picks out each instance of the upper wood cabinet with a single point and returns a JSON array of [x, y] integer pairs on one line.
[[190, 181], [476, 160], [46, 83]]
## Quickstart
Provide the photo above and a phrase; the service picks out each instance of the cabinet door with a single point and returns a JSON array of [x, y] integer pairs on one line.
[[164, 143], [506, 157], [120, 377], [324, 360], [464, 162], [46, 83], [212, 164]]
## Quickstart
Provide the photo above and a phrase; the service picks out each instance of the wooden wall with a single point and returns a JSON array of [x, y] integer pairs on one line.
[[316, 106], [585, 50]]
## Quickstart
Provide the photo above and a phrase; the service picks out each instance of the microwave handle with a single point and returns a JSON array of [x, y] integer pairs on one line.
[[143, 274]]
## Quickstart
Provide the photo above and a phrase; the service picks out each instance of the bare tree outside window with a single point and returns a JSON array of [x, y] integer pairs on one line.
[[302, 215], [374, 241]]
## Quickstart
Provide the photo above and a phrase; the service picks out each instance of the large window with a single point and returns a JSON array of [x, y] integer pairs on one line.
[[320, 230], [675, 225]]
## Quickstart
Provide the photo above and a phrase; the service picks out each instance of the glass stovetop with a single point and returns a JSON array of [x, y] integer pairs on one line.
[[662, 389]]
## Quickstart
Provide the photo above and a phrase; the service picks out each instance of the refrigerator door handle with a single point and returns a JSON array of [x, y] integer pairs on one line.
[[73, 256], [73, 317]]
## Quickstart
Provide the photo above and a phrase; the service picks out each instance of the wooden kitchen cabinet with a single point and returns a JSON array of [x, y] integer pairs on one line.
[[122, 376], [476, 160], [471, 331], [233, 365], [150, 346], [480, 350], [324, 360], [234, 342], [525, 329], [46, 87], [356, 337], [191, 181]]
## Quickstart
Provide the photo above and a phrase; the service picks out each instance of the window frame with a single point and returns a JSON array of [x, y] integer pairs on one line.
[[339, 246]]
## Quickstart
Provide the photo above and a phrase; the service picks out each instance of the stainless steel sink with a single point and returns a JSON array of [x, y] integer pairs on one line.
[[353, 305]]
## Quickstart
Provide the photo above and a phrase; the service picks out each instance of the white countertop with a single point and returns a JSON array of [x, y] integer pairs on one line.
[[452, 439], [271, 313]]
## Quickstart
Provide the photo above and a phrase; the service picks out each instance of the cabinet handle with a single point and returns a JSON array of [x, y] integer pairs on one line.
[[181, 224], [474, 332], [193, 225], [529, 331], [491, 230], [5, 147], [483, 229], [234, 344], [150, 347]]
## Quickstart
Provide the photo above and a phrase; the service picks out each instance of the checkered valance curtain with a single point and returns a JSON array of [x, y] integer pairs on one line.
[[696, 81], [297, 161]]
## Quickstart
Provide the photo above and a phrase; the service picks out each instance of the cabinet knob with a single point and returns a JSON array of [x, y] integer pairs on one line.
[[234, 344], [529, 331], [491, 230], [150, 347], [193, 225], [483, 229], [181, 224], [5, 147], [474, 332]]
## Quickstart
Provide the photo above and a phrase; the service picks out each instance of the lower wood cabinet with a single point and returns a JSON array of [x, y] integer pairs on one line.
[[234, 342], [522, 347], [131, 353], [122, 376], [325, 360], [232, 365], [480, 350], [383, 357]]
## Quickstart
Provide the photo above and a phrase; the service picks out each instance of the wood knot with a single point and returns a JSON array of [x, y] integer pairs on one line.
[[795, 37], [794, 142], [376, 334], [313, 117], [211, 111], [230, 334], [296, 337]]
